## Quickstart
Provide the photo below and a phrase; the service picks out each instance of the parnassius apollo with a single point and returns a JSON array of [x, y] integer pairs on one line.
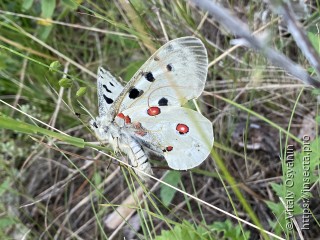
[[146, 115]]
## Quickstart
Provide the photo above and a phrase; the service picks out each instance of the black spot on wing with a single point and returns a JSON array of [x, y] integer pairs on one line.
[[134, 93], [163, 102], [149, 77], [111, 84], [108, 100], [169, 67], [105, 87]]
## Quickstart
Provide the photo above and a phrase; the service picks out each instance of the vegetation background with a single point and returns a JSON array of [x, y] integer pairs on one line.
[[57, 186]]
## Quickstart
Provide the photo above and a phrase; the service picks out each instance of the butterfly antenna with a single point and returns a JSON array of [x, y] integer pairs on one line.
[[85, 109]]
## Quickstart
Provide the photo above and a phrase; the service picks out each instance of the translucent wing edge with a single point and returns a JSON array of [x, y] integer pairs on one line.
[[190, 42], [108, 89]]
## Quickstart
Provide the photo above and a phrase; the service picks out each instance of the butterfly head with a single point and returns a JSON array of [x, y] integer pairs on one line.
[[100, 126]]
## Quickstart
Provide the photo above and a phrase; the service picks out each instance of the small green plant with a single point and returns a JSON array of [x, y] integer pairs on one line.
[[167, 193], [217, 230], [299, 173]]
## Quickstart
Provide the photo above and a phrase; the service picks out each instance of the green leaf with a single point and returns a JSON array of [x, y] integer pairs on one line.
[[97, 178], [276, 208], [279, 189], [279, 211], [218, 230], [47, 8], [6, 222], [65, 82], [299, 170], [315, 40], [81, 91], [22, 127], [167, 193], [299, 173], [44, 31], [183, 231], [229, 230], [54, 66], [315, 91], [138, 5], [26, 5]]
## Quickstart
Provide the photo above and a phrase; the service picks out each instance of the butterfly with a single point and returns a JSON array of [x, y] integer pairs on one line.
[[146, 116]]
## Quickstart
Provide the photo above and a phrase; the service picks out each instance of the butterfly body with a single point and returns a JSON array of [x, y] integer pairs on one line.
[[146, 115], [120, 136]]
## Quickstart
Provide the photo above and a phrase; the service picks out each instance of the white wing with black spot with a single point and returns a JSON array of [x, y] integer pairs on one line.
[[109, 90], [173, 75], [183, 135]]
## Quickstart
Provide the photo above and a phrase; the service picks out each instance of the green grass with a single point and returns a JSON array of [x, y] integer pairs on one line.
[[56, 185]]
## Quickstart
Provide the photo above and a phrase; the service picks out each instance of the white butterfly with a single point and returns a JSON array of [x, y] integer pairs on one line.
[[146, 115]]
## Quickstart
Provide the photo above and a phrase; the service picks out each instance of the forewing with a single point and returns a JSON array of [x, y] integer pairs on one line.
[[109, 90], [173, 75], [181, 150]]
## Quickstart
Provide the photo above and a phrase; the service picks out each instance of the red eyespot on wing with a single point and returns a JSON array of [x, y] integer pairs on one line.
[[182, 128], [127, 119], [121, 115], [167, 149], [153, 111]]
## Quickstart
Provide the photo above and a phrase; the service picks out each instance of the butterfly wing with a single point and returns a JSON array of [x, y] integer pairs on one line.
[[173, 75], [185, 136], [108, 90]]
